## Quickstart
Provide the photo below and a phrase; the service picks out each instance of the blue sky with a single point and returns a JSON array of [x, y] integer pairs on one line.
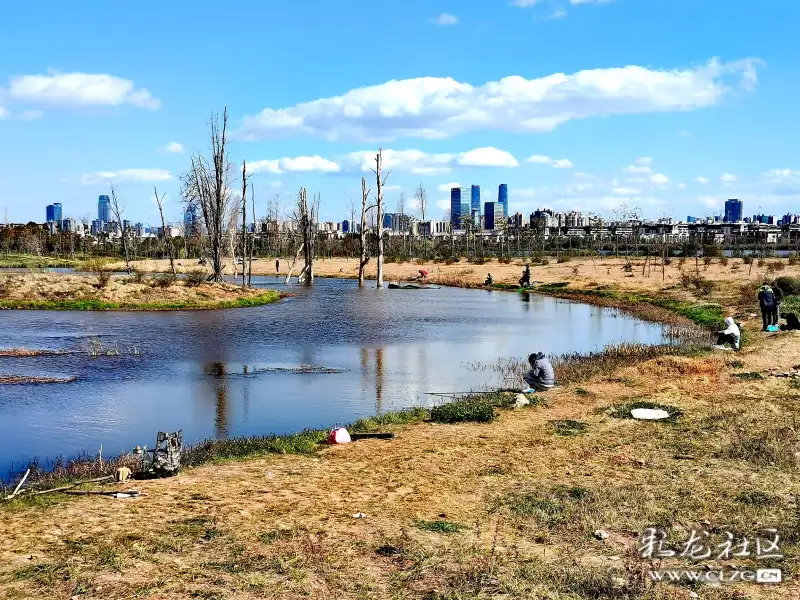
[[669, 105]]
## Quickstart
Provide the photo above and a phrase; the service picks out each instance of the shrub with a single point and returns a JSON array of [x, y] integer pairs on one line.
[[446, 527], [164, 280], [575, 270], [707, 260], [450, 261], [723, 261], [789, 285], [747, 260], [195, 277], [628, 267], [667, 261], [420, 261], [504, 260], [475, 409], [103, 278], [761, 262], [568, 427], [776, 265], [563, 258], [794, 259], [137, 275]]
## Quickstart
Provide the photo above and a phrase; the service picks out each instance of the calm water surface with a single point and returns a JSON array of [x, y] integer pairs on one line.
[[394, 346]]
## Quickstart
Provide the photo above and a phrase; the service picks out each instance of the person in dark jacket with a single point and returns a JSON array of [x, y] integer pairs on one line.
[[766, 301], [541, 377], [792, 322], [778, 292], [489, 280], [277, 265], [525, 281]]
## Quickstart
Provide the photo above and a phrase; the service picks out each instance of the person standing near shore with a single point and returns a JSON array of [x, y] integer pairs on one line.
[[277, 265], [766, 301], [778, 293]]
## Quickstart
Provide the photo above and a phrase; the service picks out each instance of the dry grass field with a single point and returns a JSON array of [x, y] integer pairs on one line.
[[506, 509]]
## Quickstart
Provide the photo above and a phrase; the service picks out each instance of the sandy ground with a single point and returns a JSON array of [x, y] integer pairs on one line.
[[580, 272]]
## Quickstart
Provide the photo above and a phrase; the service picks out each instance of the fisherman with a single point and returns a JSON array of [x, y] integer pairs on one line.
[[525, 281], [541, 376], [730, 335], [423, 275], [766, 301], [489, 280], [792, 322], [778, 292], [277, 265]]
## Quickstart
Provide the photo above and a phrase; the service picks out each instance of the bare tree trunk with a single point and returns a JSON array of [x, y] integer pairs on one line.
[[160, 202], [379, 202], [362, 235], [253, 240], [244, 220], [291, 267], [117, 210]]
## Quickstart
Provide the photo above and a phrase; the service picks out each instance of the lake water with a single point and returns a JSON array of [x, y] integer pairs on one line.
[[393, 345]]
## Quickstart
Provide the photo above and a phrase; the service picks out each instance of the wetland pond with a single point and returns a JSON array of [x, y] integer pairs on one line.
[[228, 373]]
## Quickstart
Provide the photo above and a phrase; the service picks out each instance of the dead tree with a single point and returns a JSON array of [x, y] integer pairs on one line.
[[167, 244], [305, 218], [362, 235], [116, 212], [421, 198], [244, 219], [206, 185], [253, 239], [380, 183]]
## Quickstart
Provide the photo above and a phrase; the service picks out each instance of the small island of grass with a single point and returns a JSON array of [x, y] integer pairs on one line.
[[137, 292]]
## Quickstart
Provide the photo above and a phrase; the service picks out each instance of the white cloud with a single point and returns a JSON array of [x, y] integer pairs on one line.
[[727, 178], [623, 191], [525, 3], [681, 186], [443, 203], [301, 164], [781, 173], [524, 192], [659, 179], [446, 187], [558, 13], [701, 179], [638, 180], [560, 163], [440, 107], [76, 89], [127, 175], [3, 113], [445, 19], [640, 165], [173, 147], [422, 163], [487, 157]]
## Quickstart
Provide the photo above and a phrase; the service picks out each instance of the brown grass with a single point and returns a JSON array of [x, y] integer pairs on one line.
[[494, 510]]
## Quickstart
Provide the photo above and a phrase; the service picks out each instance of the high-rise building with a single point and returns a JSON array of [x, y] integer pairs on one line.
[[104, 209], [476, 201], [488, 215], [50, 211], [455, 207], [502, 198], [733, 210]]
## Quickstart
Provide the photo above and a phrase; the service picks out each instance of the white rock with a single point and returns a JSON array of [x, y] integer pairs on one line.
[[522, 400], [601, 535]]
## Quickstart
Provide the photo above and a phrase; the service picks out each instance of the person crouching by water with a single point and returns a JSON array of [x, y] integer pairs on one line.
[[730, 335], [792, 322], [525, 280], [489, 280], [541, 377]]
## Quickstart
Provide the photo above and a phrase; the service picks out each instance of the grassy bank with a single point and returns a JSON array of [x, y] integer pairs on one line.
[[137, 292]]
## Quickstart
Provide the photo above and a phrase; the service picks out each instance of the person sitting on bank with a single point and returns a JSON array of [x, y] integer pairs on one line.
[[730, 335], [541, 377], [489, 280], [525, 280], [423, 275], [792, 322], [766, 302]]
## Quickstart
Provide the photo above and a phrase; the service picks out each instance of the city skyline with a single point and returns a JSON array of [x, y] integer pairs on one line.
[[585, 108]]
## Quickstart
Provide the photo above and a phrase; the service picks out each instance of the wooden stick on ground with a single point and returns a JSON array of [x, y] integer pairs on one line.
[[76, 484], [19, 485]]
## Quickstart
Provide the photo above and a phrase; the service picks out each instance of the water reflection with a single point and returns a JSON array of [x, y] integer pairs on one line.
[[216, 376]]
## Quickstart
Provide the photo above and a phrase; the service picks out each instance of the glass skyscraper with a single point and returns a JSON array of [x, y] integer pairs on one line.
[[455, 208], [104, 209], [51, 213], [57, 212], [476, 200], [502, 198], [733, 210]]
